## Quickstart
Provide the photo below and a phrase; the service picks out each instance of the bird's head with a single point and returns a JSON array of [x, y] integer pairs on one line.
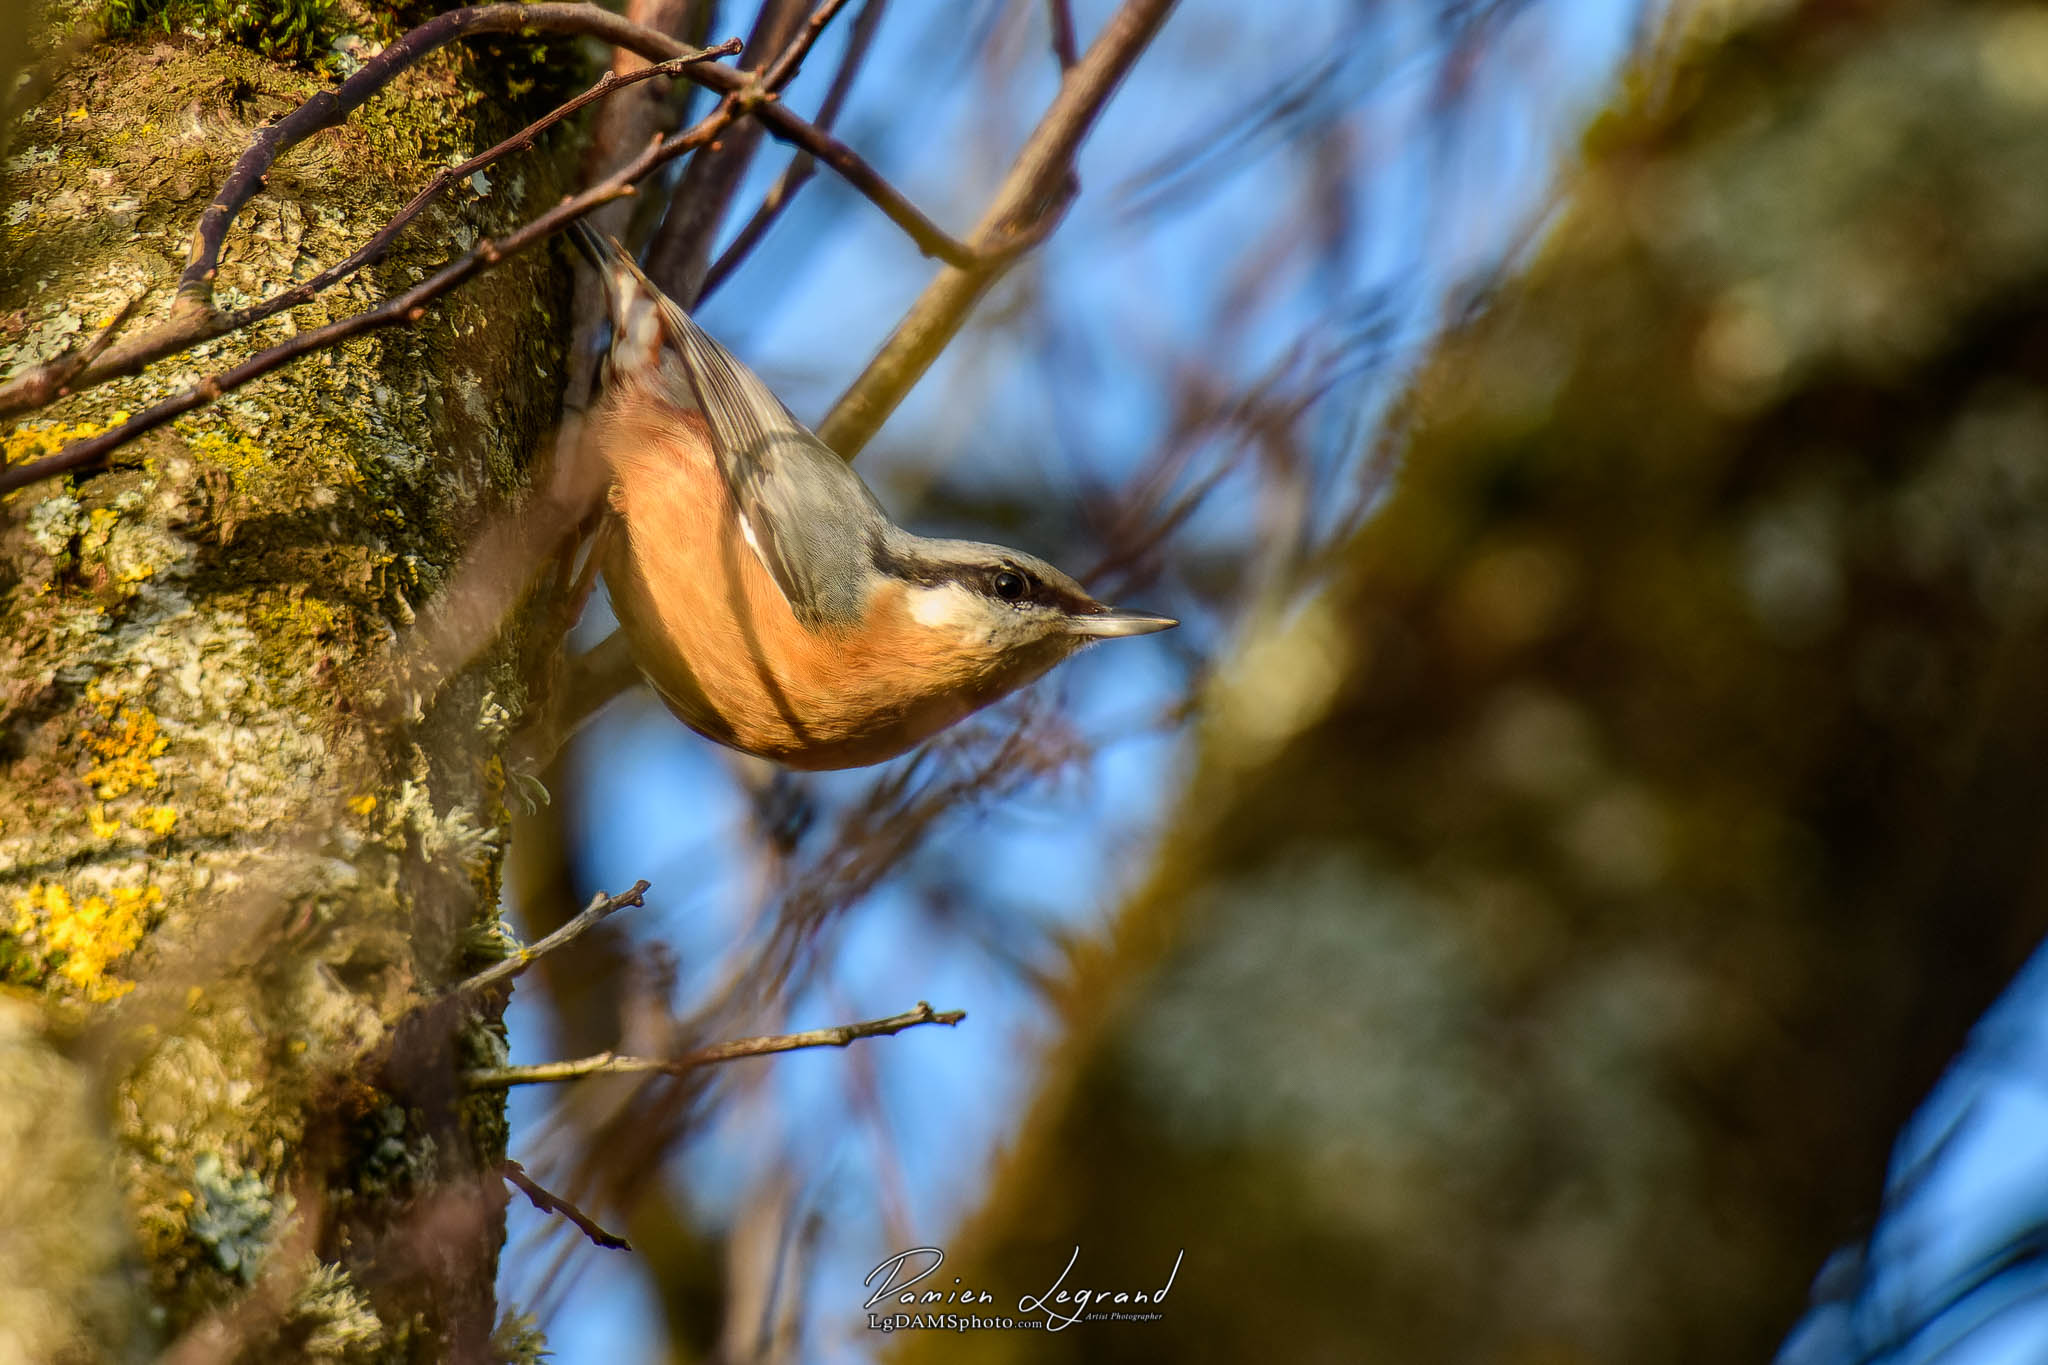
[[1003, 615]]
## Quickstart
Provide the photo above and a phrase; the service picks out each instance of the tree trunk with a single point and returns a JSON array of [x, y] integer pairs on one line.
[[223, 888]]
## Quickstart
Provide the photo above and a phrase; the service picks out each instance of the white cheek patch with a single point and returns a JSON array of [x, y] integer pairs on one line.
[[948, 607]]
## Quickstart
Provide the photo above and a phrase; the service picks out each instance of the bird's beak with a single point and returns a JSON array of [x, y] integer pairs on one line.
[[1114, 622]]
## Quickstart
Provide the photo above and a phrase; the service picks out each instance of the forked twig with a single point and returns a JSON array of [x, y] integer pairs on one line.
[[601, 908], [548, 1202], [803, 165], [1026, 207], [611, 1064], [66, 367]]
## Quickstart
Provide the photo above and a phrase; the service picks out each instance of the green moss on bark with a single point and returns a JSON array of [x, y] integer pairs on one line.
[[287, 30]]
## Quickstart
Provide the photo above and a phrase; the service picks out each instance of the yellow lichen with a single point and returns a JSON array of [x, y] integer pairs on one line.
[[362, 805], [32, 442], [84, 938], [124, 746], [158, 820], [282, 614], [230, 451], [103, 826]]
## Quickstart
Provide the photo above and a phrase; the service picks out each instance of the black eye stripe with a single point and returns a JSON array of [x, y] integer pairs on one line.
[[978, 578]]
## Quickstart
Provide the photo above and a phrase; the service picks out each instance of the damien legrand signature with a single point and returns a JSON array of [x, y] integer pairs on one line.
[[1060, 1305]]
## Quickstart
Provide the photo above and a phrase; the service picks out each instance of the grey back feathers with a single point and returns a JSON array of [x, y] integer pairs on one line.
[[806, 513]]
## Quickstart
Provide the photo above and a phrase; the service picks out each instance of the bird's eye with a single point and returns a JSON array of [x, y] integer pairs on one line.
[[1011, 585]]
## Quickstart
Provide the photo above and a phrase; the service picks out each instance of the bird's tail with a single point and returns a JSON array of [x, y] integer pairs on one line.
[[630, 298], [604, 253]]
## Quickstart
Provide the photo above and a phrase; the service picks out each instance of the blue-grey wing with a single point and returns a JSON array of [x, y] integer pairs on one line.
[[804, 511]]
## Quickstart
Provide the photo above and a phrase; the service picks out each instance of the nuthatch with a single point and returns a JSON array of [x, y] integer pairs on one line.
[[766, 595]]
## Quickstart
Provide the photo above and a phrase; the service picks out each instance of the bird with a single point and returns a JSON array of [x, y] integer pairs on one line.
[[766, 596]]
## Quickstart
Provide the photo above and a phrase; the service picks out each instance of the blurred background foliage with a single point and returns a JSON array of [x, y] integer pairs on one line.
[[1600, 782], [1672, 795]]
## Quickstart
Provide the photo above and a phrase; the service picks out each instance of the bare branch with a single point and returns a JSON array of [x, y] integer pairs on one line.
[[204, 327], [601, 908], [194, 319], [516, 1176], [1027, 202], [610, 1064], [679, 260], [931, 239]]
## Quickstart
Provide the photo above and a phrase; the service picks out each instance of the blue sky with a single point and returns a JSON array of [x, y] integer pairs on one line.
[[1939, 1279]]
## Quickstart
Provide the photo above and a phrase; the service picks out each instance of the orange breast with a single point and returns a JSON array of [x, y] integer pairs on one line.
[[714, 635]]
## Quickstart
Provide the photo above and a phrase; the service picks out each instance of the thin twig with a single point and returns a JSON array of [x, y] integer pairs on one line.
[[791, 59], [930, 238], [803, 165], [601, 908], [547, 1202], [611, 1064], [193, 318], [1064, 48], [1026, 205], [374, 250], [681, 244], [332, 107]]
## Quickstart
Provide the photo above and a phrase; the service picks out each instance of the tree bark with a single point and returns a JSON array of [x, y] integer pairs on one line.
[[226, 892]]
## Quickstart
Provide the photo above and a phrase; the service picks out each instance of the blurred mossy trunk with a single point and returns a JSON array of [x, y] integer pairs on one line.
[[1571, 904], [221, 890]]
